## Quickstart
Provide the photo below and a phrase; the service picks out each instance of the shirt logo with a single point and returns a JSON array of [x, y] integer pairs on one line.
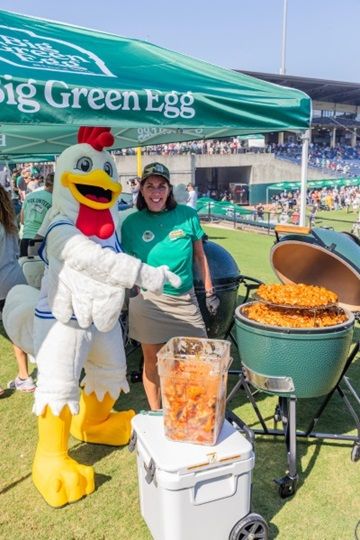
[[178, 233], [148, 236]]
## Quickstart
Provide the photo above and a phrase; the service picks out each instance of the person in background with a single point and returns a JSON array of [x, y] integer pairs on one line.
[[165, 233], [33, 212], [181, 194], [260, 209], [5, 179], [192, 200], [11, 275], [15, 197], [312, 216], [21, 184], [33, 184], [134, 184]]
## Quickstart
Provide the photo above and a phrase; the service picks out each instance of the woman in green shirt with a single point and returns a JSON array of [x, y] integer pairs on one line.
[[165, 233]]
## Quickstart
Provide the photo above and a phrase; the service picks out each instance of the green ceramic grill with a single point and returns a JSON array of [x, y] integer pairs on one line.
[[304, 363]]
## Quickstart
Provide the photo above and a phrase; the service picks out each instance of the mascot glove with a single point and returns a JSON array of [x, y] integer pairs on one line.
[[153, 279]]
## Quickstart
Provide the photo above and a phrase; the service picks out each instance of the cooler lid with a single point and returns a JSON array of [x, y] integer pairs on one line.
[[181, 457], [322, 257]]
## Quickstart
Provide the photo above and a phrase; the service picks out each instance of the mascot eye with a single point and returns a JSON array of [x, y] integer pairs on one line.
[[84, 164], [108, 168]]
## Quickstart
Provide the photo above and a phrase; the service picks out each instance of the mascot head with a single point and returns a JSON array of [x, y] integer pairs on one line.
[[86, 185]]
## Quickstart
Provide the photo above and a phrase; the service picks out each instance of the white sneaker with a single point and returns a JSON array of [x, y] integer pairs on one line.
[[23, 385]]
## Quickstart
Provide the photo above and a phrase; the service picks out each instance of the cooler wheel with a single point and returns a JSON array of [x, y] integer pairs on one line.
[[251, 527], [287, 486]]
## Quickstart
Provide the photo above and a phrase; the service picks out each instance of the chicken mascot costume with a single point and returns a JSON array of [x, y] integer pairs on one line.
[[76, 323]]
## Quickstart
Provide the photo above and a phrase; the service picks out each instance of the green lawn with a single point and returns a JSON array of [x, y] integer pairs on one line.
[[326, 505], [339, 220]]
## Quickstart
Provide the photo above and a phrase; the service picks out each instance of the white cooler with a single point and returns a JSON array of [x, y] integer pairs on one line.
[[190, 491]]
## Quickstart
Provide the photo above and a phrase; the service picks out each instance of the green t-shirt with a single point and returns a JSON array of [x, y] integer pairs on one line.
[[166, 237], [36, 204]]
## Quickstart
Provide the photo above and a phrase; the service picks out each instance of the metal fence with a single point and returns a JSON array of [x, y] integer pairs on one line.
[[240, 217]]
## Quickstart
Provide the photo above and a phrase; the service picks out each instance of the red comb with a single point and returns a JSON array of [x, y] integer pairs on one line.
[[97, 137]]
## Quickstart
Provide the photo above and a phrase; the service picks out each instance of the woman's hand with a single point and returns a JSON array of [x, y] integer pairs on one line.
[[212, 304]]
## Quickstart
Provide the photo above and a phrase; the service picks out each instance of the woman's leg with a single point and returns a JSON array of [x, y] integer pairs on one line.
[[22, 362], [150, 374]]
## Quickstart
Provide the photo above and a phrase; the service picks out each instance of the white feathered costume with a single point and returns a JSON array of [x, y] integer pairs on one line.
[[76, 317]]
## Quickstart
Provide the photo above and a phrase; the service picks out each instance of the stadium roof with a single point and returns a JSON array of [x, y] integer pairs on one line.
[[318, 89]]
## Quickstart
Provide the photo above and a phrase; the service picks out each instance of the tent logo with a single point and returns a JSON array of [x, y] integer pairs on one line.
[[28, 50]]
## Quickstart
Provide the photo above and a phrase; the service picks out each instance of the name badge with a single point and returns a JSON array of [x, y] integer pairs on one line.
[[178, 233]]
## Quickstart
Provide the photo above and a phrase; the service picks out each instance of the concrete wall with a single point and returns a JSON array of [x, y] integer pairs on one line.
[[250, 168]]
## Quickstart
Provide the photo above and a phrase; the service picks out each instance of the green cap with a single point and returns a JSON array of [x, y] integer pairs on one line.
[[157, 169]]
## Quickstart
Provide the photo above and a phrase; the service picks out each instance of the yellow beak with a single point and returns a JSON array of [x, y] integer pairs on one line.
[[96, 189]]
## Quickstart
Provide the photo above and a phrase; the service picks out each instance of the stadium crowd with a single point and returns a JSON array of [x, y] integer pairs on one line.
[[342, 160], [210, 147]]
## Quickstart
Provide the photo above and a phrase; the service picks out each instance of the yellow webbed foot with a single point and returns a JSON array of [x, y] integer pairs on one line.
[[60, 479], [97, 423], [115, 430]]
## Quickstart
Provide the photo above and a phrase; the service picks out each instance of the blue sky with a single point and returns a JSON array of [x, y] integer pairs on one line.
[[322, 35]]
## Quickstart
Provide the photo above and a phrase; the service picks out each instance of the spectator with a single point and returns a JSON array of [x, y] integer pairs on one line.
[[134, 185], [21, 185], [312, 216], [11, 275], [5, 179], [260, 211], [192, 200], [181, 194], [35, 206], [33, 184]]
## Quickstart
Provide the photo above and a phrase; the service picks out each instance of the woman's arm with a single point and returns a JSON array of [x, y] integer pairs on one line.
[[22, 215], [202, 266], [212, 301]]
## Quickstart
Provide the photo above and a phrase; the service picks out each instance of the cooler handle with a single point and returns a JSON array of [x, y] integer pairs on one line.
[[296, 229], [132, 442], [150, 471]]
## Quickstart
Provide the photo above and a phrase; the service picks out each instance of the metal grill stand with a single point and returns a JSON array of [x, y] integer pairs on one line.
[[285, 412]]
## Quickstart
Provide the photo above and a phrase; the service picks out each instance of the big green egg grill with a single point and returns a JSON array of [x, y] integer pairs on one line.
[[294, 363], [304, 363]]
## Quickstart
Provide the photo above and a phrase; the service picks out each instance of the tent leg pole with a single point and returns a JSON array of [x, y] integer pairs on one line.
[[304, 165]]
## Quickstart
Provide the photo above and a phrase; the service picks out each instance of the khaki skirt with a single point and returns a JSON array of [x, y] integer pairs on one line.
[[157, 318]]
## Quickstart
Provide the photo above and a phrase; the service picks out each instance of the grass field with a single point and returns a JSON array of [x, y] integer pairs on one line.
[[325, 507], [339, 220]]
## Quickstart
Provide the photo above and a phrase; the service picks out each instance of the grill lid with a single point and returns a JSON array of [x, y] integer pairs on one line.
[[223, 268], [321, 257]]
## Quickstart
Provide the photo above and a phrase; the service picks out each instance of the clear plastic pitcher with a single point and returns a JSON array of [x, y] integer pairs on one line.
[[193, 378]]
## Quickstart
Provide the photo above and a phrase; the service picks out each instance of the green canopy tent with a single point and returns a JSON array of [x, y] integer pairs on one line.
[[208, 206], [29, 158], [56, 77], [313, 184]]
